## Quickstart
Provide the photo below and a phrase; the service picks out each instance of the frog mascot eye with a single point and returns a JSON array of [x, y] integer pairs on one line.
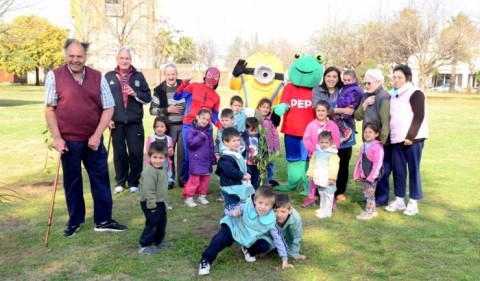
[[320, 58]]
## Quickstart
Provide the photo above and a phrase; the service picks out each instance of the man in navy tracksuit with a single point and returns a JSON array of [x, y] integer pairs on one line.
[[130, 92]]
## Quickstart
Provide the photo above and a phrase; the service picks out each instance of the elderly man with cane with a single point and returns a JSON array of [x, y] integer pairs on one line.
[[78, 108]]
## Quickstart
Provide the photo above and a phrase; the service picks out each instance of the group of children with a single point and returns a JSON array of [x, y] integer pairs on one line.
[[254, 216]]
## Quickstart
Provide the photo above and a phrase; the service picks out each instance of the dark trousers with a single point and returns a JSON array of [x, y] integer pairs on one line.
[[382, 193], [177, 168], [95, 163], [186, 171], [224, 239], [255, 175], [403, 157], [342, 177], [128, 141], [155, 224]]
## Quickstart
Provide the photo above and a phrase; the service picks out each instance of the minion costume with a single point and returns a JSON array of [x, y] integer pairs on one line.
[[263, 78], [296, 107]]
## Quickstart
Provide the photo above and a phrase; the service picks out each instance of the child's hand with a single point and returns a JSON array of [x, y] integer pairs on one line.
[[236, 213], [300, 257], [310, 178], [371, 191], [170, 151], [285, 265], [217, 156], [247, 177], [331, 182]]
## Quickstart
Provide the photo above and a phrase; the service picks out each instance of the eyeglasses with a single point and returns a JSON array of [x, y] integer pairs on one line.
[[367, 83]]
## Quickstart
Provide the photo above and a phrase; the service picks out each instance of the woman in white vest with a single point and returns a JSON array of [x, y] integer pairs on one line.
[[408, 131]]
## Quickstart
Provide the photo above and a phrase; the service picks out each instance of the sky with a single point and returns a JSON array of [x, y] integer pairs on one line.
[[223, 20]]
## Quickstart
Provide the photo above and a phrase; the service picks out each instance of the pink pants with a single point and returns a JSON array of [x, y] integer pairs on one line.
[[196, 184]]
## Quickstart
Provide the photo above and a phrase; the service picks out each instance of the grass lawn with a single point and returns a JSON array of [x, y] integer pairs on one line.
[[441, 243]]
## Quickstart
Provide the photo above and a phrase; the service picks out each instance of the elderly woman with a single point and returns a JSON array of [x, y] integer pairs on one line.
[[328, 91], [375, 108], [408, 131]]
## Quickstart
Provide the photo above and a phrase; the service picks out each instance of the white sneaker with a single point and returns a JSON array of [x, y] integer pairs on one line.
[[118, 189], [318, 211], [248, 258], [366, 216], [168, 206], [395, 206], [412, 209], [204, 268], [322, 215], [202, 200], [190, 203], [133, 189]]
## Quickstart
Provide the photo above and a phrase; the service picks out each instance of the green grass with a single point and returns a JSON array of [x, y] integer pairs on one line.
[[441, 243]]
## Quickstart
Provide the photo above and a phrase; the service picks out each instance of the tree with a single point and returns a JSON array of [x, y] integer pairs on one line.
[[87, 22], [185, 50], [165, 46], [31, 43], [207, 52], [458, 38]]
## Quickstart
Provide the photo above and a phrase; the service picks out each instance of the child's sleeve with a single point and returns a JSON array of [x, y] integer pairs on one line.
[[357, 172], [229, 169], [228, 211], [311, 166], [308, 140], [348, 99], [280, 243], [334, 163], [377, 160], [148, 190], [194, 139], [296, 231]]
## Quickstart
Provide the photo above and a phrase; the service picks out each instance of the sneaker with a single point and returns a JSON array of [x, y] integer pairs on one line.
[[366, 216], [163, 245], [171, 185], [133, 189], [190, 203], [308, 203], [411, 210], [118, 189], [395, 205], [202, 200], [248, 258], [70, 230], [204, 268], [168, 206], [341, 197], [318, 211], [273, 183], [110, 225], [321, 215], [149, 250]]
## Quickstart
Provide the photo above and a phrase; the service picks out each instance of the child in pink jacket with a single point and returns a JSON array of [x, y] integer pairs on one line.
[[160, 127], [310, 139], [369, 168]]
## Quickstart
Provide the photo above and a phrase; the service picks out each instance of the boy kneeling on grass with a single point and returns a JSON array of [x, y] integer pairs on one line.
[[153, 194], [245, 223], [290, 222]]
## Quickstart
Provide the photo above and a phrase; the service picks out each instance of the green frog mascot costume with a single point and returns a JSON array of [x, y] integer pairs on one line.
[[296, 107]]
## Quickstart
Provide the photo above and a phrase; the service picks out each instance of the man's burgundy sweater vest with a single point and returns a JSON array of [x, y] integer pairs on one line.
[[79, 106]]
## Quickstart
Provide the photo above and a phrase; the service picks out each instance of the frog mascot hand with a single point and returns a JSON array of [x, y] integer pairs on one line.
[[296, 107]]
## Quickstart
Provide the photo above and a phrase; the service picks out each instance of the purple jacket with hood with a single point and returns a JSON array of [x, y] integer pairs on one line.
[[200, 149]]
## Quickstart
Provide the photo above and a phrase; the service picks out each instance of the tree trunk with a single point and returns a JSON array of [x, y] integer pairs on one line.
[[37, 76], [453, 76]]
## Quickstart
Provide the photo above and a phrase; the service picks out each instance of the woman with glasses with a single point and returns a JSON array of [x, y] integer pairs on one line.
[[328, 90], [375, 108]]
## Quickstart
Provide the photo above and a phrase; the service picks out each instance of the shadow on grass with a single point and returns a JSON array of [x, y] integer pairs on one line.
[[9, 103]]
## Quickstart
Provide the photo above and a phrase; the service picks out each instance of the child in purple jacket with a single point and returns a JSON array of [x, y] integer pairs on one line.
[[199, 142], [349, 96]]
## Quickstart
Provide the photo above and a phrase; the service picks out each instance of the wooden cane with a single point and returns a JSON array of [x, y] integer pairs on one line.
[[52, 203], [109, 142]]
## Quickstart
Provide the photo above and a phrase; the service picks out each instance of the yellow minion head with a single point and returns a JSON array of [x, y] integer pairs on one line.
[[262, 77]]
